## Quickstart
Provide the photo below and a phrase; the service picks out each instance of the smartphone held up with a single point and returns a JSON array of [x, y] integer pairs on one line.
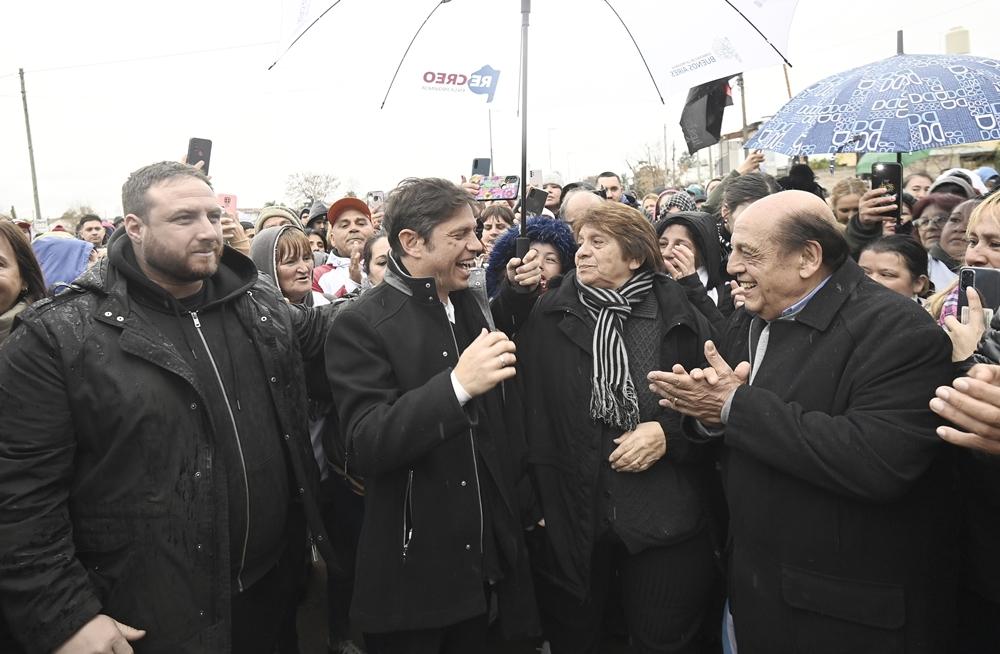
[[889, 175], [199, 150]]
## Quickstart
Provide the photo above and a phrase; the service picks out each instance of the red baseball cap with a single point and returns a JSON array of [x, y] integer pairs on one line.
[[343, 204]]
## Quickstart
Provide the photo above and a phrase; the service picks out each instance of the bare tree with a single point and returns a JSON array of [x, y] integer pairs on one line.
[[303, 189], [648, 173]]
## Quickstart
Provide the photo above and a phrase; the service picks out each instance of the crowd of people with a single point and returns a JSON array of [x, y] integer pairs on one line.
[[747, 417]]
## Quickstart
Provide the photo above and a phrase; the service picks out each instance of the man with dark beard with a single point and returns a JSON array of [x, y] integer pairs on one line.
[[161, 489]]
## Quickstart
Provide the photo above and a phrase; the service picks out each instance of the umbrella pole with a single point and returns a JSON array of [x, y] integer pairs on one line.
[[899, 51], [521, 245]]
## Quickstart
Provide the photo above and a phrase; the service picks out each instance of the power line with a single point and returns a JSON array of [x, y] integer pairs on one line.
[[146, 58]]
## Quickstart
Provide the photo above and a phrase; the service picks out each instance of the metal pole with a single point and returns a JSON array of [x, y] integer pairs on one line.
[[788, 83], [31, 149], [899, 51], [491, 139], [522, 242], [673, 163], [665, 156], [525, 14], [743, 105]]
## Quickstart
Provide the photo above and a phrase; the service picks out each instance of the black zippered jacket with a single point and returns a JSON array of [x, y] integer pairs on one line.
[[113, 497]]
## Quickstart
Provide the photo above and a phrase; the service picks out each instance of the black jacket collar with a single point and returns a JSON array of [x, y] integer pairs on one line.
[[822, 308], [421, 289]]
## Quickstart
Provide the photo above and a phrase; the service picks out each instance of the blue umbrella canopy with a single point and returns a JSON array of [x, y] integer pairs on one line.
[[900, 104]]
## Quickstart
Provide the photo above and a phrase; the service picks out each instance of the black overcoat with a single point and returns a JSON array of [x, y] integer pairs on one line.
[[662, 505], [432, 478], [841, 495]]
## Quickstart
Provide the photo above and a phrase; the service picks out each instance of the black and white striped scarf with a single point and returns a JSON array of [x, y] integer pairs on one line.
[[613, 398]]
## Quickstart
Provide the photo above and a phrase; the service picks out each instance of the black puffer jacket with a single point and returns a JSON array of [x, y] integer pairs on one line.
[[112, 495]]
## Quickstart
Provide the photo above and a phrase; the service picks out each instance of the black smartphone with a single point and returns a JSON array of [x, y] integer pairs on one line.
[[199, 150], [535, 202], [481, 167], [986, 281], [889, 175]]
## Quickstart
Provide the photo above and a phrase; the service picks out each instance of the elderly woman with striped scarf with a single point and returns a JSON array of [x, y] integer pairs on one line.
[[620, 495]]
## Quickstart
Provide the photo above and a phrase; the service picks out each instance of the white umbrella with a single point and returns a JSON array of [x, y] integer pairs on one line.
[[464, 54]]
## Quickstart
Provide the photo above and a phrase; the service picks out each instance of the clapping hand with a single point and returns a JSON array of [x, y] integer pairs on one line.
[[703, 392]]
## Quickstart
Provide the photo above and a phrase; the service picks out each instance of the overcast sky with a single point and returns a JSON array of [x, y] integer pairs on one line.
[[105, 98]]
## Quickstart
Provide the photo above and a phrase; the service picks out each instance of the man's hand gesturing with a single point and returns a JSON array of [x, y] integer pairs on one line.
[[488, 361]]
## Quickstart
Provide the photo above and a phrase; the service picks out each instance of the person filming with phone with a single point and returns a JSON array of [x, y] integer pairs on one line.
[[971, 404]]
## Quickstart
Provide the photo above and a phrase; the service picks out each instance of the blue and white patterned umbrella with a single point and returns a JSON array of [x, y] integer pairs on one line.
[[900, 104]]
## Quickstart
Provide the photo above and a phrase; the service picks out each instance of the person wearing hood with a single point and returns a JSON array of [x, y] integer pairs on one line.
[[692, 256], [274, 216], [62, 259], [552, 239], [680, 201], [350, 222], [801, 177], [163, 494], [285, 255], [989, 176], [317, 215]]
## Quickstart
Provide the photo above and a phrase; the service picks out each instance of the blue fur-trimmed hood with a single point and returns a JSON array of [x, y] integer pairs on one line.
[[539, 230]]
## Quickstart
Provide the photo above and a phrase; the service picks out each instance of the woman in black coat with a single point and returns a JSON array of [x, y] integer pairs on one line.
[[620, 491], [691, 254]]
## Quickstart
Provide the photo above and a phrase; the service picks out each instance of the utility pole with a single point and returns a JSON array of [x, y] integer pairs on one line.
[[31, 149], [673, 165], [665, 156], [743, 105]]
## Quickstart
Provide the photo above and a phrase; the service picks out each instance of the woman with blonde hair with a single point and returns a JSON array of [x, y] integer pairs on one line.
[[975, 342], [983, 251], [844, 198]]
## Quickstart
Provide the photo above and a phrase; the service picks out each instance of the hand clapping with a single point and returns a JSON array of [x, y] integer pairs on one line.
[[703, 392]]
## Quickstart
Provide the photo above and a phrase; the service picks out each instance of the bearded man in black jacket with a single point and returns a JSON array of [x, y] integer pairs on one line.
[[158, 493]]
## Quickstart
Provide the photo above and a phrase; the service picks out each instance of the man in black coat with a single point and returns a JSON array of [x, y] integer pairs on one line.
[[840, 493], [156, 474], [417, 373]]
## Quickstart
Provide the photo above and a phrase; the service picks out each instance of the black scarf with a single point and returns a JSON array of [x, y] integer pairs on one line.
[[613, 399]]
